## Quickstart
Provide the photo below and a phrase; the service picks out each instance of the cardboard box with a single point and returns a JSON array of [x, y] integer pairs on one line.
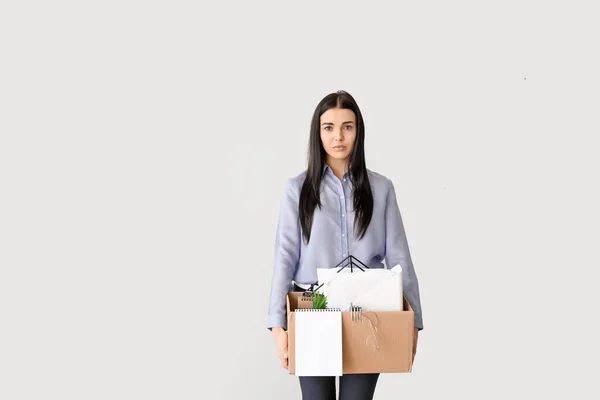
[[361, 352]]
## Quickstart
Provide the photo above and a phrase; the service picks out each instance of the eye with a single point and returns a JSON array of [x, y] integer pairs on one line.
[[327, 128], [348, 126]]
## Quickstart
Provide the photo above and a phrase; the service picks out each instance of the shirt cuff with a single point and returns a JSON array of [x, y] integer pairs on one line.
[[277, 320], [418, 322]]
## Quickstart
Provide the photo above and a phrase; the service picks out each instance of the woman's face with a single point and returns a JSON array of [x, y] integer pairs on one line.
[[338, 132]]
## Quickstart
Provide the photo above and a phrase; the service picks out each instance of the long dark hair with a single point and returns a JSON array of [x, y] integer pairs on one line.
[[310, 195]]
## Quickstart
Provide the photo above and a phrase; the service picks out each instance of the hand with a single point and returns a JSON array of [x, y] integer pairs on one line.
[[281, 343], [415, 337]]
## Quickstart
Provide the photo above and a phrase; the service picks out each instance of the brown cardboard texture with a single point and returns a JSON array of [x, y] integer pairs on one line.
[[362, 352]]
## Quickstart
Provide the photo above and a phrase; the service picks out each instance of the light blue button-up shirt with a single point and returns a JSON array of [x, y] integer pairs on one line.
[[332, 239]]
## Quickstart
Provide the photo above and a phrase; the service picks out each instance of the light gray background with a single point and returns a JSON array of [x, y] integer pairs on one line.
[[145, 145]]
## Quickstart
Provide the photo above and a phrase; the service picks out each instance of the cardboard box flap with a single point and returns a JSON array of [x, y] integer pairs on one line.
[[295, 300], [379, 342]]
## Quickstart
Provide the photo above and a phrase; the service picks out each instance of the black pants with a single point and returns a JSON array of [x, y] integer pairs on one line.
[[352, 386]]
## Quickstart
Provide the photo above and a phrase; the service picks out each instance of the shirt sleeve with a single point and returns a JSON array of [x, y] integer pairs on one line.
[[397, 252], [287, 254]]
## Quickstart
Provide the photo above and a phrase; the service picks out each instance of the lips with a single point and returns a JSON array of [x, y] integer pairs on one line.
[[339, 148]]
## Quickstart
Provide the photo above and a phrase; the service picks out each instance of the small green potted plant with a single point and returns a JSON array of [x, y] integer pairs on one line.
[[319, 301]]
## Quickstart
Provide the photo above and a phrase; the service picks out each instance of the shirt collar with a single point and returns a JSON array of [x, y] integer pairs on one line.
[[327, 169]]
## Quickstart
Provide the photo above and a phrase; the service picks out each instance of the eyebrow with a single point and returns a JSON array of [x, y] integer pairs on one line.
[[331, 123]]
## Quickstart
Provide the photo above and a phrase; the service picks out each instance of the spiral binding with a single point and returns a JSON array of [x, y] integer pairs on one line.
[[307, 295], [318, 309]]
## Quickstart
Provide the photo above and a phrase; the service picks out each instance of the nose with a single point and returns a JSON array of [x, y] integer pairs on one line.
[[339, 136]]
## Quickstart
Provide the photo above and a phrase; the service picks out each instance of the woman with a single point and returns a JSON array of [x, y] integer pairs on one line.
[[336, 208]]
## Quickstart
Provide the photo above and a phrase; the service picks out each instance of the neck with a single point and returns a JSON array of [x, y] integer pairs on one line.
[[339, 167]]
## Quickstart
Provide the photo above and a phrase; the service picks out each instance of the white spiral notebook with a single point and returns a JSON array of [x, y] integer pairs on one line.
[[318, 342]]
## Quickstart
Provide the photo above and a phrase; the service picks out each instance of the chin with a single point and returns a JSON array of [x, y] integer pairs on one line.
[[338, 156]]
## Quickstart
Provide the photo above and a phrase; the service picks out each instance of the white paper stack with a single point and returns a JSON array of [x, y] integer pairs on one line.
[[374, 289]]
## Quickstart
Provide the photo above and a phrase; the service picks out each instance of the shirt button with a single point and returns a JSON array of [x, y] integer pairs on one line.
[[344, 255], [343, 235], [343, 215], [341, 197], [344, 179]]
